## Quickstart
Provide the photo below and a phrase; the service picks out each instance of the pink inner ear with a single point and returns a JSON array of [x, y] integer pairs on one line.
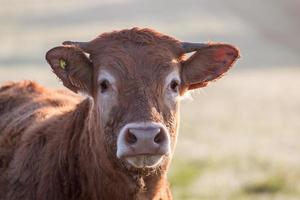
[[220, 55]]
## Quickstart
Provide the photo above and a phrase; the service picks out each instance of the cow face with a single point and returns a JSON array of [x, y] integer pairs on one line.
[[136, 78]]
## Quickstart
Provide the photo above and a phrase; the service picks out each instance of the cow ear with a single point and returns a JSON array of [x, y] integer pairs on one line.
[[207, 64], [72, 67]]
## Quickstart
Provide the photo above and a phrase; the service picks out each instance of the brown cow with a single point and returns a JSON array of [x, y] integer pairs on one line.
[[117, 142]]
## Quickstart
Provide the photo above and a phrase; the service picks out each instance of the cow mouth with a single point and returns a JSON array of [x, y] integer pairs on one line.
[[144, 161]]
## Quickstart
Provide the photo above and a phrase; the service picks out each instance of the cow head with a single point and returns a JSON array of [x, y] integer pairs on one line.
[[136, 78]]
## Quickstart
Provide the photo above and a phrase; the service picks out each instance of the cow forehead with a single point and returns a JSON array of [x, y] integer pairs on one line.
[[146, 62]]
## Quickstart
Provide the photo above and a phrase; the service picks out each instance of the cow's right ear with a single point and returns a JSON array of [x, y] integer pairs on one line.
[[209, 63], [72, 67]]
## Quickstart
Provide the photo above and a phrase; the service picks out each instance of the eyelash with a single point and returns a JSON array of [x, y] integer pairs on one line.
[[174, 85], [104, 85]]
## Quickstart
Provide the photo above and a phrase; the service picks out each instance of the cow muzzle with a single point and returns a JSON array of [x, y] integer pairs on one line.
[[143, 145]]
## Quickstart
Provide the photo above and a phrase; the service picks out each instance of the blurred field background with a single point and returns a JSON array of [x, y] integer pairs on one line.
[[240, 137]]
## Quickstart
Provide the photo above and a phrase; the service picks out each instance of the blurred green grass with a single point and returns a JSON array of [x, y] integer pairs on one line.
[[239, 138]]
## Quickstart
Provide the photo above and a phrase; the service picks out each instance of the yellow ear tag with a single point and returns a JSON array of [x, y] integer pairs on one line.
[[62, 64]]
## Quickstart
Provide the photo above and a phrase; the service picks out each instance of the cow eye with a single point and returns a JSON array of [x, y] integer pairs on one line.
[[104, 85], [174, 85]]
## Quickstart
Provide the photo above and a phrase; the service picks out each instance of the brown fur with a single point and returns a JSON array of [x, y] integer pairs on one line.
[[38, 162], [56, 145]]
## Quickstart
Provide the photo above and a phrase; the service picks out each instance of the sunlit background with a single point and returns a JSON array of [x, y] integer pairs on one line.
[[239, 137]]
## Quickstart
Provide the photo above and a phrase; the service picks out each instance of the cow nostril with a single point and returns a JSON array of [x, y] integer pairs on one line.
[[130, 138], [159, 138]]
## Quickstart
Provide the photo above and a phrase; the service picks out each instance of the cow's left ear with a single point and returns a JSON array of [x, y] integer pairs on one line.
[[207, 64]]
